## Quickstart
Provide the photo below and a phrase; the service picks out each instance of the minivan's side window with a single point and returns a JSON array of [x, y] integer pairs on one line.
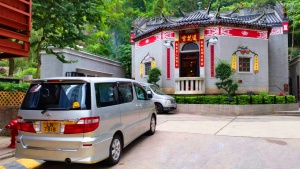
[[125, 92], [140, 92], [106, 94]]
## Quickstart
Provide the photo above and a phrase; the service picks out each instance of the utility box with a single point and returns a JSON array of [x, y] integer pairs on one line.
[[15, 27]]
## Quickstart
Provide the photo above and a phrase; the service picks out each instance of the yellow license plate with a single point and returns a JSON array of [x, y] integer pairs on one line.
[[50, 127]]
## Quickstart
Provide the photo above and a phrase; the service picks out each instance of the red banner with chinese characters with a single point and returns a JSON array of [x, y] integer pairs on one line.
[[212, 60], [201, 51], [168, 64], [176, 48], [194, 37], [231, 31], [149, 40]]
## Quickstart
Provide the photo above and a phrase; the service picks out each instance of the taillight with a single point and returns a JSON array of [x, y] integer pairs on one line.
[[23, 126], [84, 125]]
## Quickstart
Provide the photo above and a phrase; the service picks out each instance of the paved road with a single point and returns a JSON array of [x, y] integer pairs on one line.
[[193, 141]]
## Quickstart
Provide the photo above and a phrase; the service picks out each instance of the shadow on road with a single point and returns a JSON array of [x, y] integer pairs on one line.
[[102, 164]]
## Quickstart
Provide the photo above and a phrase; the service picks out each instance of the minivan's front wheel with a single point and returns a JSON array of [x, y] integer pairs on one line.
[[159, 108], [115, 150], [152, 126]]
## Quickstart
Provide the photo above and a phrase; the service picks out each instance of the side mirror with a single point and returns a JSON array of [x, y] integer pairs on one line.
[[149, 95]]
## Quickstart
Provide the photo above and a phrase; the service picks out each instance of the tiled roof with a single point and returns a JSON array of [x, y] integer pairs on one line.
[[202, 19], [195, 17]]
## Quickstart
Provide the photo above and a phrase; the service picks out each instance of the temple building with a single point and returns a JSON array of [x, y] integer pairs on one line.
[[187, 49]]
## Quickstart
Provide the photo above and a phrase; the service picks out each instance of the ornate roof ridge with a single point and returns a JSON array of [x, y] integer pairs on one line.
[[252, 18]]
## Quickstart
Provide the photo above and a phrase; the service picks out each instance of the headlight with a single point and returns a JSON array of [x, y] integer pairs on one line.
[[168, 102]]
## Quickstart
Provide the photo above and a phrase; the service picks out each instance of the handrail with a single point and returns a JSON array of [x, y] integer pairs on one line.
[[278, 88]]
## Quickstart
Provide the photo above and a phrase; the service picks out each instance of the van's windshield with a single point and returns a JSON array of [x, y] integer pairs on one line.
[[57, 96], [156, 90]]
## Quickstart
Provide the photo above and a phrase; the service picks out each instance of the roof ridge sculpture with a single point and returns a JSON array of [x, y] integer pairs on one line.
[[167, 19], [182, 13], [257, 18], [209, 7], [216, 16]]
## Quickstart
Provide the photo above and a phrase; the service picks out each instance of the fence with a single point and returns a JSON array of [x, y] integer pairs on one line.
[[11, 98]]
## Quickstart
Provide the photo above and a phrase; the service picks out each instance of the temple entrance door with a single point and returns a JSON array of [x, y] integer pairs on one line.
[[189, 64], [189, 60]]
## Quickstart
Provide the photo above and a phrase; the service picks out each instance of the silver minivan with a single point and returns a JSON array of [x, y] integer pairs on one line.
[[163, 102], [82, 119]]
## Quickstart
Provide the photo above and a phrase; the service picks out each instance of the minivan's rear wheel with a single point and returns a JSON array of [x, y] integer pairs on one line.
[[115, 150], [159, 108], [152, 126]]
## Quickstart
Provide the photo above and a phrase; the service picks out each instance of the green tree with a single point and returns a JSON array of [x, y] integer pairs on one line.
[[124, 56], [140, 4], [158, 7], [154, 76], [62, 23], [115, 30], [224, 72], [293, 12]]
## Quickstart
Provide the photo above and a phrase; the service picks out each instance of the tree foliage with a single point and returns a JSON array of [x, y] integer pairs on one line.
[[154, 75], [293, 12], [102, 26], [62, 23], [124, 56], [224, 72]]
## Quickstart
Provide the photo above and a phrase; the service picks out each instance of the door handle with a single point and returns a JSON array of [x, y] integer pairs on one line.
[[139, 105]]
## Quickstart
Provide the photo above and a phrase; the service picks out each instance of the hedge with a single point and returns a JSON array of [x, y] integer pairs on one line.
[[237, 100], [14, 87]]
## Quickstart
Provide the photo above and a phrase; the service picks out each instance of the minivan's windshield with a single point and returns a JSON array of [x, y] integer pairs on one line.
[[156, 90], [57, 96]]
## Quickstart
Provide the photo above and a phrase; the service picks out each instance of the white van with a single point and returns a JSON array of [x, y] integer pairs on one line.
[[163, 102], [82, 119]]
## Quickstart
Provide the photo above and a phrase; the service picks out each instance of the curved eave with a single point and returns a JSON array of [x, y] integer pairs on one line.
[[197, 24]]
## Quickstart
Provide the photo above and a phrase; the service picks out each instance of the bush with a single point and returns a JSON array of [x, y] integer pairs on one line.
[[237, 100], [263, 93], [13, 87], [153, 76], [30, 71]]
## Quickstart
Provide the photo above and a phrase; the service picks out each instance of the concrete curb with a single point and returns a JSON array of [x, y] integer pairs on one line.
[[7, 155], [6, 152]]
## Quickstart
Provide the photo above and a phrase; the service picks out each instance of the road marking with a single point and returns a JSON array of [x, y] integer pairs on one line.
[[28, 163]]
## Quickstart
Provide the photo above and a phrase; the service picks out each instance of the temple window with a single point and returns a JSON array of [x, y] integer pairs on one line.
[[147, 68], [244, 64]]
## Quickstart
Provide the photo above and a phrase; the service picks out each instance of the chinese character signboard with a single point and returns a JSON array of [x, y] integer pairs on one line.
[[202, 51], [212, 60], [168, 64], [153, 64], [176, 48], [188, 37]]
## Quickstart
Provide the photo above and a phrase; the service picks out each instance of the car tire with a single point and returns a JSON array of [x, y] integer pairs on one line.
[[159, 108], [152, 126], [115, 150]]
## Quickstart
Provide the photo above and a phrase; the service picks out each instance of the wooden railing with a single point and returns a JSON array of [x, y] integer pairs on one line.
[[189, 85]]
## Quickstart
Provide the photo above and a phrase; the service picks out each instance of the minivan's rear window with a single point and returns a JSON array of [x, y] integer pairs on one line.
[[58, 96]]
